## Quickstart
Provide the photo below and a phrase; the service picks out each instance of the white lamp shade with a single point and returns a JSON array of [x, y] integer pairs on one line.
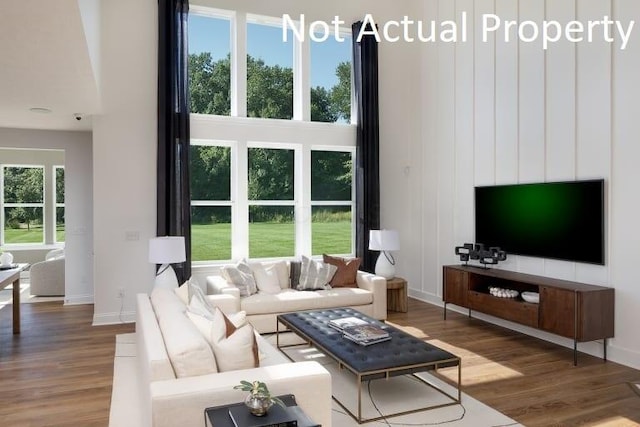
[[167, 250], [384, 240]]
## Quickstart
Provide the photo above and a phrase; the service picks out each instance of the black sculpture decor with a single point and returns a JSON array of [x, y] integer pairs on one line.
[[478, 252]]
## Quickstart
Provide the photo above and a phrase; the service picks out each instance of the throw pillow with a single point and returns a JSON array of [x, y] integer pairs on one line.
[[294, 273], [201, 306], [346, 272], [234, 348], [183, 293], [315, 275], [267, 278], [241, 276]]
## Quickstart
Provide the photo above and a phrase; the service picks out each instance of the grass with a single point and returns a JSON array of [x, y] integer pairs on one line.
[[32, 235], [213, 241]]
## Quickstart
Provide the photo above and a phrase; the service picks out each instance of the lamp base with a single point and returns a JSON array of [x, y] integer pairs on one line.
[[384, 267], [166, 278]]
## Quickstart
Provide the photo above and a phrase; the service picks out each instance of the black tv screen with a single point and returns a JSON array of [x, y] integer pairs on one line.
[[559, 220]]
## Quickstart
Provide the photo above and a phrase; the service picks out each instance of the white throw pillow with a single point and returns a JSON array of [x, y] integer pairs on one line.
[[201, 306], [183, 293], [315, 275], [234, 348], [268, 277], [241, 276]]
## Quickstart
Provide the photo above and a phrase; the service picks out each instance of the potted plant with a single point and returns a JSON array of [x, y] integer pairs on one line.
[[259, 399]]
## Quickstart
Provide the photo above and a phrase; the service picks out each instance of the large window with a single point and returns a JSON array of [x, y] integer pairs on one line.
[[266, 182], [258, 209], [23, 204]]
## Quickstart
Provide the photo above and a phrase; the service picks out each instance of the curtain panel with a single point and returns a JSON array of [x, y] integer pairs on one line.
[[173, 193], [365, 71]]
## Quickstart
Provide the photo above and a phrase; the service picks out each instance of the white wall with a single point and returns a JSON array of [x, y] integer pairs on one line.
[[501, 112], [78, 201]]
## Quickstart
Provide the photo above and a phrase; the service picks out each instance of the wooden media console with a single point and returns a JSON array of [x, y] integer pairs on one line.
[[574, 310]]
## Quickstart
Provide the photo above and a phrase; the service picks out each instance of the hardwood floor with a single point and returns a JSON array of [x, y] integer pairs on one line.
[[529, 380], [59, 370]]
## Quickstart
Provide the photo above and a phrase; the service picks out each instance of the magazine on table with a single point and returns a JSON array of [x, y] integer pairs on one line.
[[344, 322], [366, 332], [368, 342]]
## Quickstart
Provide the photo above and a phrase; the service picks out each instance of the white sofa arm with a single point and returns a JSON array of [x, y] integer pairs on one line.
[[217, 285], [378, 286], [225, 302], [182, 402]]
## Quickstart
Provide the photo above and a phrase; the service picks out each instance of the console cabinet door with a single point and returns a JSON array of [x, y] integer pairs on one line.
[[456, 286], [557, 311]]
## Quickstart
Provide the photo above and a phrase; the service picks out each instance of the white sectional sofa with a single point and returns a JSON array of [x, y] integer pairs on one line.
[[168, 344], [369, 297]]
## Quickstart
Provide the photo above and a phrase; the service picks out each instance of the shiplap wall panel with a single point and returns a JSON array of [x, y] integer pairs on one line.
[[447, 172], [506, 97], [624, 203], [484, 94], [465, 126]]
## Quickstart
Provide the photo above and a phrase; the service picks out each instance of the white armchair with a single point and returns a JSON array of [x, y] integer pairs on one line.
[[47, 277]]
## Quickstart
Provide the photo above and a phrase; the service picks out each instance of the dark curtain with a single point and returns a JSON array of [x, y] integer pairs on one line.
[[365, 72], [174, 216]]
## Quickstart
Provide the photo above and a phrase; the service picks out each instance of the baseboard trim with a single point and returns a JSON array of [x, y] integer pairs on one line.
[[615, 353], [114, 318], [78, 299]]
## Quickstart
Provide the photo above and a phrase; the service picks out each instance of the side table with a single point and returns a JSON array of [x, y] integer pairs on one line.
[[218, 416], [397, 299]]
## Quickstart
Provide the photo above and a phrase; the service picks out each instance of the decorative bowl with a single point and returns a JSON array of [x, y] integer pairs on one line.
[[532, 297]]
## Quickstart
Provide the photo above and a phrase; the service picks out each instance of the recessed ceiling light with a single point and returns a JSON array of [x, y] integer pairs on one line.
[[40, 110]]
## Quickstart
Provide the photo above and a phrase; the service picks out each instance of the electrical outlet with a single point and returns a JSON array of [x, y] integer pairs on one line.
[[120, 292]]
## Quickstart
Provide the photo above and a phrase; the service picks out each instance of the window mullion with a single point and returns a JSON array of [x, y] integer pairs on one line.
[[301, 80], [240, 195], [239, 65]]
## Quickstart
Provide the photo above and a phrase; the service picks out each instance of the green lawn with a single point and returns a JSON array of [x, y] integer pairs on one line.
[[33, 235], [213, 241]]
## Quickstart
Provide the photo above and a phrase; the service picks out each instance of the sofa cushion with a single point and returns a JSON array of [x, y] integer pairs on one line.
[[347, 270], [291, 300], [189, 352], [183, 293], [241, 276], [166, 302], [315, 275]]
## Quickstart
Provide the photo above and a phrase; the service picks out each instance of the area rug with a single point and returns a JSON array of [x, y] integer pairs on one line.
[[380, 396]]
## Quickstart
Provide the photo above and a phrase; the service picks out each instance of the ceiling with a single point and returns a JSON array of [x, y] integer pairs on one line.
[[45, 62]]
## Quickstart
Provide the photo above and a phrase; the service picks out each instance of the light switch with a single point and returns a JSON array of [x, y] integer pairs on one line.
[[132, 236]]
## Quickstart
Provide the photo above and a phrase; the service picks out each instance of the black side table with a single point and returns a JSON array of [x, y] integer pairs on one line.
[[218, 416]]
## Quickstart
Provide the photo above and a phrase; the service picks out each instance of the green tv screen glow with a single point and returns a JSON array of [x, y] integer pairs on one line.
[[558, 220]]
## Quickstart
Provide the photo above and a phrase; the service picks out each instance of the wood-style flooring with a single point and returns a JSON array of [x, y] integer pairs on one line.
[[59, 370]]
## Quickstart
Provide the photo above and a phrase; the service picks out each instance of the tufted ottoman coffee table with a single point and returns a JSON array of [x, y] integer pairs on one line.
[[402, 355]]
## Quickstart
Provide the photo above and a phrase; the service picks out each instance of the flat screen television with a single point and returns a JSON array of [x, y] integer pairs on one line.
[[558, 220]]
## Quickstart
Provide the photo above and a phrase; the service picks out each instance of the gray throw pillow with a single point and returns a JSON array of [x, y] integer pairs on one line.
[[315, 275], [294, 273], [241, 276]]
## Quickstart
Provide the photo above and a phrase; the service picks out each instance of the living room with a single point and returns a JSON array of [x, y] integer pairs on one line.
[[452, 116]]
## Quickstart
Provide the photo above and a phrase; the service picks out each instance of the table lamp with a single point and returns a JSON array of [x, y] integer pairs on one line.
[[165, 251], [384, 241]]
